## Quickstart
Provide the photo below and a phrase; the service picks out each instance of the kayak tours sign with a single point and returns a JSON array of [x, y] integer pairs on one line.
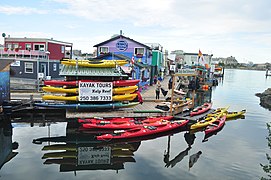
[[95, 91], [91, 155]]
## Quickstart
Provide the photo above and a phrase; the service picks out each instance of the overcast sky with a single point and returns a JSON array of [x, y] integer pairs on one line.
[[239, 28]]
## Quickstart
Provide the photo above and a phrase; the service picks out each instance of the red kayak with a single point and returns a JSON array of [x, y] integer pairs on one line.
[[216, 125], [143, 131], [119, 120], [126, 125], [201, 109], [75, 83]]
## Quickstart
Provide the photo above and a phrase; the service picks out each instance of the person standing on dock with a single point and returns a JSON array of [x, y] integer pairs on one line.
[[158, 89]]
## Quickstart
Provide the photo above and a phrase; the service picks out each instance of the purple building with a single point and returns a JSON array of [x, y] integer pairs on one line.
[[139, 55]]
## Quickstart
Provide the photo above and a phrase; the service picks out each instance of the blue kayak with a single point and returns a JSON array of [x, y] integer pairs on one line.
[[87, 106]]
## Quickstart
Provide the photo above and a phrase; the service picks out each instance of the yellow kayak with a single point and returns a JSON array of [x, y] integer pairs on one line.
[[100, 64], [124, 90], [124, 97], [119, 90], [229, 114], [235, 114], [94, 60], [60, 90], [203, 123], [209, 119]]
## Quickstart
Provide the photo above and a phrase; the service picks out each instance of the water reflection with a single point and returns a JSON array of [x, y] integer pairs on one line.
[[7, 147], [80, 150]]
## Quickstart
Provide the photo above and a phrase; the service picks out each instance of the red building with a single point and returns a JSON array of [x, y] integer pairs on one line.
[[35, 56]]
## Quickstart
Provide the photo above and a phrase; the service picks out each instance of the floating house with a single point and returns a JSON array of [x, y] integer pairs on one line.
[[142, 65], [35, 57]]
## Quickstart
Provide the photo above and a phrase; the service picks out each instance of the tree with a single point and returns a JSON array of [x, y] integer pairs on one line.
[[267, 168]]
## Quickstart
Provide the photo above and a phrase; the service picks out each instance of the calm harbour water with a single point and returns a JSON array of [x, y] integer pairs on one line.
[[234, 153]]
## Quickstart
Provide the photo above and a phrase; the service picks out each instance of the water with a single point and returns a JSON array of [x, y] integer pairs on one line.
[[234, 153]]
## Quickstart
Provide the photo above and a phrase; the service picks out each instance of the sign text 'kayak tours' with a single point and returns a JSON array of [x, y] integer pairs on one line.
[[95, 91]]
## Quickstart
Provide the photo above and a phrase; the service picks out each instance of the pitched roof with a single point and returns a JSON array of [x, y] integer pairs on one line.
[[119, 37]]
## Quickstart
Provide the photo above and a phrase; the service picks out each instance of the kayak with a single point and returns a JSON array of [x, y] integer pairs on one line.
[[143, 131], [131, 82], [201, 109], [207, 120], [124, 119], [123, 97], [229, 114], [73, 154], [118, 90], [235, 114], [125, 125], [94, 60], [115, 105], [95, 64], [216, 125]]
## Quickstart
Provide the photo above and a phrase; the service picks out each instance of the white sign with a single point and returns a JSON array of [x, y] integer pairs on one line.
[[186, 71], [172, 67], [90, 155], [95, 91], [16, 63]]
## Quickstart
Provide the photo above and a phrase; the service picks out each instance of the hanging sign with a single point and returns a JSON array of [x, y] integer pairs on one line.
[[91, 155], [95, 91]]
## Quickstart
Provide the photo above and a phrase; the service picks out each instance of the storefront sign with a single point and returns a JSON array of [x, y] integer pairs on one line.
[[187, 71], [95, 91], [122, 45], [16, 63], [91, 155]]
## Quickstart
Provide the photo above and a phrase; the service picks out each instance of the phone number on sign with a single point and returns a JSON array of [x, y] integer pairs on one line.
[[95, 98]]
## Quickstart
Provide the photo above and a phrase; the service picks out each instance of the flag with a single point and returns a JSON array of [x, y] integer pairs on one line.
[[133, 60], [201, 59]]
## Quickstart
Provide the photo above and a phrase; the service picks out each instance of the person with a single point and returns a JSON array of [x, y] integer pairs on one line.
[[155, 79], [170, 83], [157, 89]]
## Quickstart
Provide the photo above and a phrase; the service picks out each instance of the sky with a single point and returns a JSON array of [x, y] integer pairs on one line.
[[238, 28]]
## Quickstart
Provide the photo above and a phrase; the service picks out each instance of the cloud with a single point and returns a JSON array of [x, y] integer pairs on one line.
[[11, 10]]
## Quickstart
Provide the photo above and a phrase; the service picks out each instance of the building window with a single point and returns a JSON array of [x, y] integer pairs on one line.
[[104, 50], [62, 49], [27, 46], [15, 45], [139, 52], [28, 67], [9, 45], [39, 47], [54, 66]]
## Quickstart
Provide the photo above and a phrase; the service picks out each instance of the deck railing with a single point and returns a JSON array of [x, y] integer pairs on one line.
[[29, 54]]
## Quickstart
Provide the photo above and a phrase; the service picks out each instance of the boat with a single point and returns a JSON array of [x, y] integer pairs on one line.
[[235, 114], [125, 125], [216, 125], [143, 131], [114, 105], [121, 83], [124, 119], [207, 120], [95, 64], [229, 114], [122, 97], [201, 109]]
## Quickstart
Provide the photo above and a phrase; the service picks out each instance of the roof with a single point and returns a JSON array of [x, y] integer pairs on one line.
[[121, 56], [119, 37], [86, 71], [8, 39], [5, 62]]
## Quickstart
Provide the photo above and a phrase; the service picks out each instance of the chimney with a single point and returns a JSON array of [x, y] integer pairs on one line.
[[120, 32]]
